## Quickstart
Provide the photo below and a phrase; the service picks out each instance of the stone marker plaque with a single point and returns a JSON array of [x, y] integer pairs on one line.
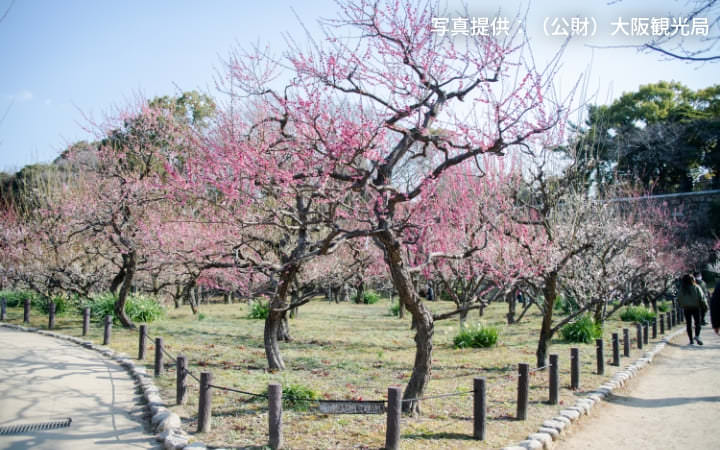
[[351, 407]]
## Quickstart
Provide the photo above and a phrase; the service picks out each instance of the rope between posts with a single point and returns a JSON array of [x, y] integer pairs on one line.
[[430, 397], [192, 375], [539, 368], [224, 388]]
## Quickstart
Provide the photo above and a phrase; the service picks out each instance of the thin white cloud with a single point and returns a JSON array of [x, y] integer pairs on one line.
[[23, 96]]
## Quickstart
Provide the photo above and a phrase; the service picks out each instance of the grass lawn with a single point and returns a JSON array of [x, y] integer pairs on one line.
[[349, 351]]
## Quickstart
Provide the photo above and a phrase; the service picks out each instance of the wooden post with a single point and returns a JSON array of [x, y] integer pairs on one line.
[[51, 315], [26, 311], [523, 390], [392, 432], [159, 365], [626, 342], [3, 309], [662, 323], [654, 328], [638, 330], [142, 342], [275, 415], [670, 320], [646, 333], [600, 356], [574, 368], [554, 379], [108, 330], [673, 318], [204, 402], [479, 408], [181, 385], [616, 349], [86, 321]]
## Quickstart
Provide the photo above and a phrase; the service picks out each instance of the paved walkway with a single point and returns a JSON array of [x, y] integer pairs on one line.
[[672, 404], [43, 379]]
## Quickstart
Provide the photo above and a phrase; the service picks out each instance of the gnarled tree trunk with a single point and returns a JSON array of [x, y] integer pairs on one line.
[[546, 331], [273, 323], [129, 266], [422, 318]]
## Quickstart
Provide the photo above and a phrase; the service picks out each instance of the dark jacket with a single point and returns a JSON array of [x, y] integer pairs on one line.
[[693, 298], [715, 307]]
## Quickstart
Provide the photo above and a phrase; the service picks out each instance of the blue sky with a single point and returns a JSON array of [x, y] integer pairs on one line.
[[63, 60]]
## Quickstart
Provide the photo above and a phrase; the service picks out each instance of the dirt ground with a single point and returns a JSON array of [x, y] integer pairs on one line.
[[673, 404]]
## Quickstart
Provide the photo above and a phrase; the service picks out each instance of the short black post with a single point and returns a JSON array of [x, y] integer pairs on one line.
[[654, 329], [86, 321], [554, 380], [600, 356], [275, 415], [638, 329], [646, 333], [616, 349], [662, 323], [108, 330], [204, 402], [142, 344], [574, 368], [682, 315], [626, 342], [671, 320], [392, 432], [159, 365], [181, 387], [3, 309], [479, 408], [51, 315], [523, 390], [26, 311]]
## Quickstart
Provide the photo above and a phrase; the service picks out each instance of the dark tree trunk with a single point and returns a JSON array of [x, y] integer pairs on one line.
[[284, 330], [546, 331], [422, 319], [177, 297], [512, 303], [273, 323], [129, 265], [187, 295], [118, 280]]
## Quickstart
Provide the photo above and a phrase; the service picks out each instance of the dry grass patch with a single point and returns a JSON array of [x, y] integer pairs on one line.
[[351, 351]]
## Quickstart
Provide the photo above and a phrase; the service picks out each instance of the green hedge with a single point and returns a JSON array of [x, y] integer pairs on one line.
[[638, 314], [583, 330], [476, 336], [138, 307]]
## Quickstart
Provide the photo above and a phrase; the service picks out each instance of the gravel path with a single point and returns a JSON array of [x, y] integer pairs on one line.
[[673, 404], [43, 379]]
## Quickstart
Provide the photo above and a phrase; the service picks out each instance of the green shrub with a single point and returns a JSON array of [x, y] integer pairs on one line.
[[566, 305], [664, 307], [584, 330], [259, 310], [367, 298], [395, 309], [17, 298], [298, 397], [476, 336], [138, 307], [638, 314], [62, 304]]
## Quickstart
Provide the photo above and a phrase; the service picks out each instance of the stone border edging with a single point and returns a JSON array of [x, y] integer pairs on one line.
[[166, 423], [551, 429]]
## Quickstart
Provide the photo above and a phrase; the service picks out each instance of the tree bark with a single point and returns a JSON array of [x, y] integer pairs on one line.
[[273, 323], [422, 319], [129, 266], [546, 331], [511, 309]]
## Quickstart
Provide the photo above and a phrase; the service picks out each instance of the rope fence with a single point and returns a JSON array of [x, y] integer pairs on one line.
[[393, 406]]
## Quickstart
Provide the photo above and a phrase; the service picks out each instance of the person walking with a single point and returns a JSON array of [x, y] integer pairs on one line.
[[703, 288], [691, 298], [715, 309]]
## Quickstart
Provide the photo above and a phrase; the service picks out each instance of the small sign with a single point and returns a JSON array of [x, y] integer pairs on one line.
[[351, 407]]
